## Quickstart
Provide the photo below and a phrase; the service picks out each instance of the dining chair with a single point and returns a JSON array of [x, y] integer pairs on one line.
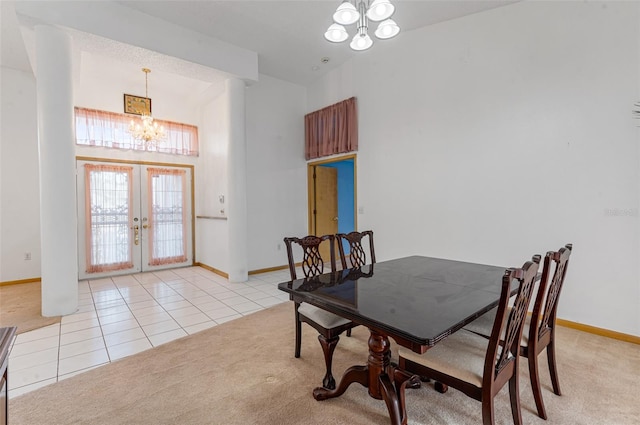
[[357, 255], [541, 324], [477, 366], [328, 325]]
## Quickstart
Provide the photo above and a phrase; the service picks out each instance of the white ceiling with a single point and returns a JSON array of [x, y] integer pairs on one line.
[[287, 35]]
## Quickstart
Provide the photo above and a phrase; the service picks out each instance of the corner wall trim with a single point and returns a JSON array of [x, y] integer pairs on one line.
[[258, 271], [599, 331], [212, 269], [268, 269], [16, 282]]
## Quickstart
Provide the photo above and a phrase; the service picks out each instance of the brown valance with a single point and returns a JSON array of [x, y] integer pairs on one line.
[[331, 130]]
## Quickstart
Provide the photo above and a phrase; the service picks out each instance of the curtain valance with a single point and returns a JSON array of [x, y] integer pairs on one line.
[[332, 130], [111, 130]]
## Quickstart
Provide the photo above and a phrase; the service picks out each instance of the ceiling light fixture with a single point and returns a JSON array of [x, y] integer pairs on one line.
[[362, 11], [146, 131]]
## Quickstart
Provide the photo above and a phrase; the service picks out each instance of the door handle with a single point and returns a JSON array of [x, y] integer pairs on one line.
[[136, 234], [335, 218]]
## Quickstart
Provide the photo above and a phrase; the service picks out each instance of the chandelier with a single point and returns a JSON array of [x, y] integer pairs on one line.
[[362, 11], [146, 130]]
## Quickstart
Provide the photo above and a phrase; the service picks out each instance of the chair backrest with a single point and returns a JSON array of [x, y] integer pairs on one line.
[[549, 292], [312, 261], [357, 254], [502, 356]]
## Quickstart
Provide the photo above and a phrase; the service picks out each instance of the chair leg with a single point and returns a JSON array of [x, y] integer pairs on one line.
[[534, 375], [487, 410], [348, 332], [514, 395], [440, 387], [328, 346], [551, 357], [298, 333]]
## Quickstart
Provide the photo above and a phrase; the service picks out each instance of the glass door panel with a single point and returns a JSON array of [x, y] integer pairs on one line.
[[167, 218], [132, 218]]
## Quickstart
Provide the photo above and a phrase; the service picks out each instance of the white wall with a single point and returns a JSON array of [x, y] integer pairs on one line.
[[212, 234], [19, 184], [277, 174], [504, 134]]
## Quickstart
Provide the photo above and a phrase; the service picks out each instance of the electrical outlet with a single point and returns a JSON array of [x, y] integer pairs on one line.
[[27, 256], [279, 247]]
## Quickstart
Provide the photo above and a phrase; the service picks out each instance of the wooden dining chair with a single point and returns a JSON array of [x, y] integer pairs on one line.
[[541, 324], [477, 366], [328, 325], [357, 254]]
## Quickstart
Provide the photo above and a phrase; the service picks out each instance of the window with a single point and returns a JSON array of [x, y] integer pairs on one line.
[[111, 130]]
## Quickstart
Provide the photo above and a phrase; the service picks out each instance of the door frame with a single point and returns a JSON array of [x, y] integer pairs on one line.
[[311, 188], [158, 164]]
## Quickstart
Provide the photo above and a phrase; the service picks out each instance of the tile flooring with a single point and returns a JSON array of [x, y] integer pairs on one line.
[[124, 315]]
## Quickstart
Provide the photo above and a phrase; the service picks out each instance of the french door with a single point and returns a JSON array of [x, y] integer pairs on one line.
[[132, 218]]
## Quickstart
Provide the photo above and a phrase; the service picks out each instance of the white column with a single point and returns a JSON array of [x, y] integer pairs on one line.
[[58, 222], [237, 182]]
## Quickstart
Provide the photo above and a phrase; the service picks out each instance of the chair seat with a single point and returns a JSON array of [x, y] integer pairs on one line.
[[483, 325], [460, 355], [322, 317]]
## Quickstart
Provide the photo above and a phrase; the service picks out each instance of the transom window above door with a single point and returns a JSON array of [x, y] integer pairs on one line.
[[111, 130]]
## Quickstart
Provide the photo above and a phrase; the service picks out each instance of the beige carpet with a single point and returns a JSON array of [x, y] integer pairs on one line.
[[21, 306], [244, 372]]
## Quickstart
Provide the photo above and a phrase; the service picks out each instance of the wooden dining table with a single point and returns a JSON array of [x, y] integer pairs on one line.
[[416, 301]]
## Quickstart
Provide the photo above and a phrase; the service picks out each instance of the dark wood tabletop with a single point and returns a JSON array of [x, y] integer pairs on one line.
[[417, 301]]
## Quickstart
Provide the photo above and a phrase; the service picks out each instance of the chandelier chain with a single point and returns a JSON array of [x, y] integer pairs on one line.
[[147, 131]]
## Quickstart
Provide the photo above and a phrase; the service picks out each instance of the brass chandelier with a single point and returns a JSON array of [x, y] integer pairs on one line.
[[146, 130]]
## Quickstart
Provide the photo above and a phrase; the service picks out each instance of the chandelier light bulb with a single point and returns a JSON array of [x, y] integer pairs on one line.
[[146, 130], [380, 10], [346, 13], [387, 29], [336, 33], [361, 42], [362, 12]]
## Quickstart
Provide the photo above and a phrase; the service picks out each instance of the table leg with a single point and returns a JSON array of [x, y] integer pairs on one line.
[[357, 374], [382, 379]]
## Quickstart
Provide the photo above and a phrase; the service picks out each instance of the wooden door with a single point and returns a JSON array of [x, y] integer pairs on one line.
[[326, 204]]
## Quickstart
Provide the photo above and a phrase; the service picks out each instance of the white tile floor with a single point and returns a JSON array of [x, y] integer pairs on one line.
[[124, 315]]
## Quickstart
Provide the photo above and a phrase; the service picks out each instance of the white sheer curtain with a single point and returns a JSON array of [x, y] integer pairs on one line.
[[167, 216], [108, 195], [111, 130]]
